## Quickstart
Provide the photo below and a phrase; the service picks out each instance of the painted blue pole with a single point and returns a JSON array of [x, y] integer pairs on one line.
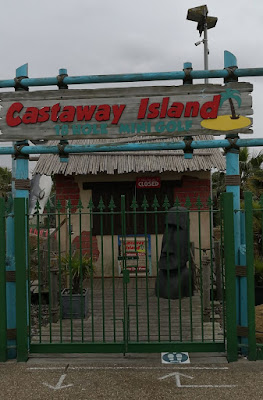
[[11, 286], [233, 186], [202, 144], [232, 169], [138, 77], [19, 172]]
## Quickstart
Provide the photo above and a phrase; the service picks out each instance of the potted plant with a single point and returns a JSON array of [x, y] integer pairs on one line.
[[258, 263], [77, 268]]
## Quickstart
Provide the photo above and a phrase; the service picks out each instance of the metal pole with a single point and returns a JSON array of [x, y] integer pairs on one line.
[[205, 41]]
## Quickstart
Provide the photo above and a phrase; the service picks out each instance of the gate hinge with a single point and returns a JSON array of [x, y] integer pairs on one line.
[[126, 276], [232, 180], [242, 331], [241, 270]]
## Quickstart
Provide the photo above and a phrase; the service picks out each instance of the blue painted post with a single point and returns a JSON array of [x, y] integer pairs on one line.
[[233, 186], [11, 286], [232, 169], [19, 172]]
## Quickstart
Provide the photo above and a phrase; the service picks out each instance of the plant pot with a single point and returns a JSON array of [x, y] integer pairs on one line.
[[76, 304], [258, 295]]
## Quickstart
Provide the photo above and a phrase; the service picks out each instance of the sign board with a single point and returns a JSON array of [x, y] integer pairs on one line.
[[125, 112], [148, 183], [136, 252], [175, 358]]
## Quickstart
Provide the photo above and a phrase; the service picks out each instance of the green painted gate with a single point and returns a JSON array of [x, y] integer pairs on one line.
[[113, 253]]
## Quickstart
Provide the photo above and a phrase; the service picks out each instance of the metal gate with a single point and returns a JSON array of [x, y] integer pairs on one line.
[[94, 251], [111, 258]]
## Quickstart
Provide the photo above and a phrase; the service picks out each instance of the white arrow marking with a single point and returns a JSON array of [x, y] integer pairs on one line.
[[177, 377], [59, 384], [178, 382]]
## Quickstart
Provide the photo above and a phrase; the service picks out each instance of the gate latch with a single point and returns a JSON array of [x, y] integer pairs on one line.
[[126, 276]]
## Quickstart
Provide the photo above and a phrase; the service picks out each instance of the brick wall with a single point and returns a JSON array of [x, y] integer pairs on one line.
[[67, 189], [192, 188], [87, 244]]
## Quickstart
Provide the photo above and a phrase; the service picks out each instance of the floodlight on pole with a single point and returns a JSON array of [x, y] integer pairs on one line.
[[204, 22]]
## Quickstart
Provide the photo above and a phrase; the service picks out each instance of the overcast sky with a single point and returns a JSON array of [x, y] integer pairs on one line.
[[118, 36]]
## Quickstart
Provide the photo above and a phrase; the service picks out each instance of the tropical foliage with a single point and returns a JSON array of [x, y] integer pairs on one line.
[[5, 181], [78, 267], [251, 174]]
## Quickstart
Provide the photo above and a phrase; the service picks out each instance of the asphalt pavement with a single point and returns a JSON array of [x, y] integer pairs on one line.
[[95, 377]]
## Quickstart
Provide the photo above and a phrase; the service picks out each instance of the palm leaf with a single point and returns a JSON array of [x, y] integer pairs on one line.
[[230, 94]]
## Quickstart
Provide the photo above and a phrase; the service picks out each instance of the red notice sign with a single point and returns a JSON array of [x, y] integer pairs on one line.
[[148, 183]]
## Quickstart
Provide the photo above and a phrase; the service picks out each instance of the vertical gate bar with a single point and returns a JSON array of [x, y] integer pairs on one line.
[[261, 209], [201, 272], [250, 277], [59, 272], [124, 269], [243, 281], [70, 268], [222, 264], [101, 207], [155, 206], [190, 268], [112, 206], [40, 264], [21, 279], [29, 272], [210, 205], [49, 275], [3, 317], [91, 207], [229, 250], [81, 271], [134, 206], [146, 265], [179, 272], [168, 271]]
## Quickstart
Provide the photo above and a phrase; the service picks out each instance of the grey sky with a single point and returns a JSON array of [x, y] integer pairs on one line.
[[118, 36]]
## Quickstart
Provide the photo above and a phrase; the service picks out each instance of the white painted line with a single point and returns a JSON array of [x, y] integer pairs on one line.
[[136, 368], [177, 376], [59, 384]]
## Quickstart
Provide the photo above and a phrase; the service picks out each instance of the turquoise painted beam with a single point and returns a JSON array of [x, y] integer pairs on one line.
[[143, 77], [202, 144]]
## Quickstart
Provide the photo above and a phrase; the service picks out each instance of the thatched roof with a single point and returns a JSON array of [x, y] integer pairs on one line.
[[125, 162]]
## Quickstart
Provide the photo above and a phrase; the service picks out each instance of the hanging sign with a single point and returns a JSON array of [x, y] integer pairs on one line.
[[125, 112], [148, 183]]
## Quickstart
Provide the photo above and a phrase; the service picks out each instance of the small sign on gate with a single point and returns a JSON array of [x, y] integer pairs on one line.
[[175, 358]]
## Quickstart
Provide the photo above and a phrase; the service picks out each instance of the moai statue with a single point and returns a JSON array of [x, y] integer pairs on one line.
[[174, 256]]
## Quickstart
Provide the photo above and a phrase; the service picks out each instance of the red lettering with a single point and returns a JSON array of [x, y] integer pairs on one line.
[[191, 107], [117, 112], [154, 110], [164, 107], [43, 114], [30, 116], [85, 113], [54, 112], [210, 108], [103, 113], [68, 114], [176, 110], [143, 108], [10, 119]]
